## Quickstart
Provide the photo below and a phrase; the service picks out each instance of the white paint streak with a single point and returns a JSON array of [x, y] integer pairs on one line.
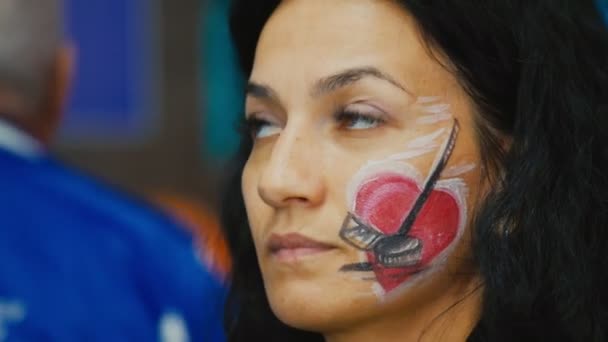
[[363, 295], [362, 257], [426, 141], [458, 170], [433, 118], [413, 153], [436, 108], [427, 99], [379, 291]]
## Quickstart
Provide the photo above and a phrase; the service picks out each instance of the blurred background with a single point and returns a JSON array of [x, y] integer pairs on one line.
[[155, 100], [142, 107]]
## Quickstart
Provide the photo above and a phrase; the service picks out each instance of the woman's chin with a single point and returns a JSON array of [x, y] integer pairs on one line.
[[320, 306]]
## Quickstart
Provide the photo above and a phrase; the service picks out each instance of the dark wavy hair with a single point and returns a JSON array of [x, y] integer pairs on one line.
[[537, 71]]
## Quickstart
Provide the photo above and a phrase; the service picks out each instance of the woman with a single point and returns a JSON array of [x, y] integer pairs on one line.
[[420, 170]]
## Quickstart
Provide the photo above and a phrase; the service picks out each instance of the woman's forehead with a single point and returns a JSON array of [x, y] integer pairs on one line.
[[305, 40], [340, 29]]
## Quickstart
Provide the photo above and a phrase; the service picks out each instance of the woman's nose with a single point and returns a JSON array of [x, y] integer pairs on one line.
[[294, 172]]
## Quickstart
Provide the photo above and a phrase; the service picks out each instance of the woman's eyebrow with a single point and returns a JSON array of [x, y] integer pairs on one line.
[[350, 76], [261, 91], [327, 84]]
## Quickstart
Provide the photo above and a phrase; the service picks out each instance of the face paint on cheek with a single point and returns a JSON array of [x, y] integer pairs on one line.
[[403, 226], [433, 111]]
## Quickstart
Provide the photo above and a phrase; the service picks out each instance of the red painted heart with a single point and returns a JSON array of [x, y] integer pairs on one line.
[[385, 201]]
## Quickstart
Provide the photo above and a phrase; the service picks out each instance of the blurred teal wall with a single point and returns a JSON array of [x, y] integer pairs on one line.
[[221, 83]]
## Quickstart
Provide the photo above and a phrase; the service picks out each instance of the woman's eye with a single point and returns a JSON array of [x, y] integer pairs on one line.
[[358, 121], [261, 128]]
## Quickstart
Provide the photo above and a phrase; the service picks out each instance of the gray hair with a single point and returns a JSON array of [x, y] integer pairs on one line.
[[30, 34]]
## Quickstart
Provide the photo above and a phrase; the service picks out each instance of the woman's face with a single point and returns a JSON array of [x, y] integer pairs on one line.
[[364, 170]]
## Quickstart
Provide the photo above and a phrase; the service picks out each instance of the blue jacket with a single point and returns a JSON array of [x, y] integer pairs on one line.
[[80, 262]]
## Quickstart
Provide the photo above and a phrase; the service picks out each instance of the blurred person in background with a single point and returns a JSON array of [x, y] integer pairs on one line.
[[78, 260]]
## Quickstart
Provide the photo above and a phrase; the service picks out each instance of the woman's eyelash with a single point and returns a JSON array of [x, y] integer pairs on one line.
[[253, 125], [345, 117]]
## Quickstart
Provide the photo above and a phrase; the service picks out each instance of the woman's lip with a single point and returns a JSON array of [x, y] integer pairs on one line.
[[294, 245], [297, 254]]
